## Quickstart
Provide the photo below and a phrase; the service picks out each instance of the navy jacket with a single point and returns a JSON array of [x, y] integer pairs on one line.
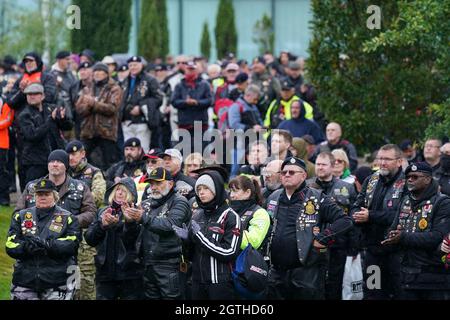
[[187, 114]]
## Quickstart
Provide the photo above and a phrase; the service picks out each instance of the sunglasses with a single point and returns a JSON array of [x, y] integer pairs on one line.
[[414, 177], [289, 172], [181, 62], [339, 161]]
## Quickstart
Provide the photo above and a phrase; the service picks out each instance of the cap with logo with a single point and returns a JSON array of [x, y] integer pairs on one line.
[[153, 154], [287, 85], [132, 142], [295, 162], [419, 167], [123, 67], [134, 59], [159, 174], [84, 65], [44, 185], [74, 146]]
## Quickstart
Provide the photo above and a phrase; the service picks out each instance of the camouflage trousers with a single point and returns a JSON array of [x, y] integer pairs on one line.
[[86, 263], [22, 293]]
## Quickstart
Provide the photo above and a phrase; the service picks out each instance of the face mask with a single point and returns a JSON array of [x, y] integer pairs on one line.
[[445, 162]]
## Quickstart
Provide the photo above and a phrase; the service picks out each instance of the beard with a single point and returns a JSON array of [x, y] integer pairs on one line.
[[385, 172], [273, 186], [158, 195], [129, 158]]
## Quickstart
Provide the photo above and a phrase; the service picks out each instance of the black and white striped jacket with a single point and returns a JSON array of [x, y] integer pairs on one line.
[[216, 245]]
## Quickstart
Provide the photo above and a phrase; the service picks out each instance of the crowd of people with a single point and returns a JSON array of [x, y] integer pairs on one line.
[[104, 188]]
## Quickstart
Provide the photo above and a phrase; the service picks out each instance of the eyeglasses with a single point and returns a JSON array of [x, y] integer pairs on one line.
[[181, 62], [414, 177], [289, 172], [385, 159], [153, 161], [339, 161], [266, 173], [429, 146]]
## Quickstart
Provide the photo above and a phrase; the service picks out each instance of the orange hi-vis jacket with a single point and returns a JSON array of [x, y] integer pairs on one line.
[[34, 77], [6, 120]]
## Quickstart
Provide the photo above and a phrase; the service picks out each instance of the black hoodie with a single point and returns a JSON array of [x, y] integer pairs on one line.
[[17, 100], [219, 239]]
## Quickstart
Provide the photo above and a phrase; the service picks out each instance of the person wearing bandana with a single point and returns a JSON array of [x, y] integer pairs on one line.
[[418, 229], [44, 241], [305, 224], [192, 98], [373, 212]]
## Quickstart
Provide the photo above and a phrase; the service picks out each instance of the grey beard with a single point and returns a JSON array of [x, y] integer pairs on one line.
[[385, 172], [164, 193], [273, 186]]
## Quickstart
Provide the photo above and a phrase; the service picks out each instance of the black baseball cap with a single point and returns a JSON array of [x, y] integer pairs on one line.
[[419, 167], [44, 185], [132, 142], [85, 64], [134, 59], [74, 146], [159, 174], [295, 162], [62, 54]]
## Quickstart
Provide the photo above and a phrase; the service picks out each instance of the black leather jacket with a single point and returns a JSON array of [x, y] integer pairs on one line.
[[117, 257], [382, 197], [49, 267], [157, 241], [425, 222], [74, 196], [146, 93], [344, 194], [313, 209]]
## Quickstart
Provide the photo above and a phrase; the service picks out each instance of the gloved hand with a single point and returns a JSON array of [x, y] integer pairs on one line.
[[35, 245], [181, 232], [195, 227]]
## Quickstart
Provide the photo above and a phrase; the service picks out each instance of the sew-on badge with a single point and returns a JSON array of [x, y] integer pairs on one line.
[[310, 208], [423, 224]]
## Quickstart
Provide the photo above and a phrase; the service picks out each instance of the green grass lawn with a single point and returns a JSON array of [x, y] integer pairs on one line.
[[5, 261]]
